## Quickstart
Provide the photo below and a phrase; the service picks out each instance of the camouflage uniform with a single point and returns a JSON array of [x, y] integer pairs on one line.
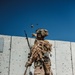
[[40, 54]]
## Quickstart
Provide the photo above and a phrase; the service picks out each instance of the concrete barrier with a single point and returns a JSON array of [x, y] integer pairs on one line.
[[14, 52]]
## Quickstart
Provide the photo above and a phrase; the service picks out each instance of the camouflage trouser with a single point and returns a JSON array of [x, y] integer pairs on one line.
[[45, 70], [39, 71], [47, 67]]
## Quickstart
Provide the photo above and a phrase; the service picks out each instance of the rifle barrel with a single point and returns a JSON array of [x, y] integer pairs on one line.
[[27, 39]]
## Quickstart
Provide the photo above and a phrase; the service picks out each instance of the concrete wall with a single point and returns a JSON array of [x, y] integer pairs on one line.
[[14, 52]]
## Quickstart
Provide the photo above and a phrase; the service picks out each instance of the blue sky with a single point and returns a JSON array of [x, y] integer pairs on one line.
[[57, 16]]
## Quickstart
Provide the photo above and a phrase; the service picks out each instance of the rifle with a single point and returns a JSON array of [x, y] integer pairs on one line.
[[29, 48], [27, 39], [25, 71]]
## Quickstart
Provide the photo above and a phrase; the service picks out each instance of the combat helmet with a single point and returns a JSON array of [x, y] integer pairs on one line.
[[42, 32]]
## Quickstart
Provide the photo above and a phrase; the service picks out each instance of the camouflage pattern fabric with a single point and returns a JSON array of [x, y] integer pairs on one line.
[[40, 54]]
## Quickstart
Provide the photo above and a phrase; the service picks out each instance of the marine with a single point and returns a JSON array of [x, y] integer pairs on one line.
[[40, 54]]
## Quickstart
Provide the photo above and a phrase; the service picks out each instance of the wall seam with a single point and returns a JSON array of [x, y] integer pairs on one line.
[[71, 58], [10, 55]]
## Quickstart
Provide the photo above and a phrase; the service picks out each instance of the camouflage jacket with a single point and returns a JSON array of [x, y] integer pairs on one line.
[[38, 50]]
